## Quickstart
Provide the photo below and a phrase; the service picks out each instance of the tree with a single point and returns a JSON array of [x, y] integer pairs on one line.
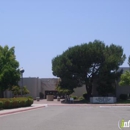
[[25, 91], [82, 64], [107, 82], [125, 79], [16, 90], [63, 90], [9, 72], [129, 62]]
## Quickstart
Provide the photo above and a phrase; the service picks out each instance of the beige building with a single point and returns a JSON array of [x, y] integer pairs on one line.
[[45, 86], [48, 86]]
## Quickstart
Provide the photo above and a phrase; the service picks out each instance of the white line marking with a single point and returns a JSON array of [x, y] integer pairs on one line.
[[113, 106]]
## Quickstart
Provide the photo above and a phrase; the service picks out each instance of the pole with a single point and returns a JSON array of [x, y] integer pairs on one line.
[[22, 80], [21, 71], [22, 83]]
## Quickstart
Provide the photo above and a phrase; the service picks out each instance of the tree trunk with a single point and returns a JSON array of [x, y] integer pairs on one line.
[[1, 93], [89, 91]]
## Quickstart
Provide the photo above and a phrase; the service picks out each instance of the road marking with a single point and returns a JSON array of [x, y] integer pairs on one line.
[[113, 106]]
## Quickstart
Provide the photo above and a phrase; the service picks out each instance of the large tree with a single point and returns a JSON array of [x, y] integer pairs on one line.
[[9, 72], [82, 64]]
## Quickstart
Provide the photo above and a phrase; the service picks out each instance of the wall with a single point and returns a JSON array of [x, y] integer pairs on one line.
[[48, 84], [122, 90], [8, 94], [36, 85], [32, 84], [79, 91]]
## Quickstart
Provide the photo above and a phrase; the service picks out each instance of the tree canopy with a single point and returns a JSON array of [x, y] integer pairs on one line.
[[9, 72], [82, 64], [125, 77]]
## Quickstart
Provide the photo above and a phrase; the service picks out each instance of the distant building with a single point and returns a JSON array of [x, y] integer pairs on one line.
[[48, 86]]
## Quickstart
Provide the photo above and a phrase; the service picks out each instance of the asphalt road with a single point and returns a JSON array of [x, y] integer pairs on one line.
[[66, 118]]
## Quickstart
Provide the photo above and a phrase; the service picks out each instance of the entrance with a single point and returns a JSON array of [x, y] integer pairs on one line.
[[53, 92]]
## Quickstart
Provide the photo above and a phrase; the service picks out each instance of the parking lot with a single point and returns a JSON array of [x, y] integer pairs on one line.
[[67, 118]]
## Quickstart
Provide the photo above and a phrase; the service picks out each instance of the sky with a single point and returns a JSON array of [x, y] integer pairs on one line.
[[43, 29]]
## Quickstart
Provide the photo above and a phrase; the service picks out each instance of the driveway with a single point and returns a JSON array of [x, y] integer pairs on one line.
[[66, 118]]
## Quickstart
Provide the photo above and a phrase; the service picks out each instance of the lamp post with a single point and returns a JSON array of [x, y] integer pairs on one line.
[[21, 71]]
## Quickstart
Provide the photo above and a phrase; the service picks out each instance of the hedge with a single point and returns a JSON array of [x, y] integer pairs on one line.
[[7, 103]]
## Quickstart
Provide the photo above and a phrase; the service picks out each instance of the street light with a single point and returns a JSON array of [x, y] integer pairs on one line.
[[21, 71]]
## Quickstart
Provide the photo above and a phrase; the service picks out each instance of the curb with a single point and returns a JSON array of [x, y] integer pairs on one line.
[[11, 112]]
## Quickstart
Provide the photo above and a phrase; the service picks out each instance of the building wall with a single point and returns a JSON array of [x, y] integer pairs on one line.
[[48, 84], [79, 91], [122, 90], [37, 85], [8, 94], [33, 85]]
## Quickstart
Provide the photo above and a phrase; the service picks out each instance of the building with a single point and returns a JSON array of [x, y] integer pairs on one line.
[[46, 86]]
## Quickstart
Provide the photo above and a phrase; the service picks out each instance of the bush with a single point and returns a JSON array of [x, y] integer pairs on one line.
[[7, 103], [15, 103], [22, 103], [85, 96], [123, 96], [30, 102], [1, 104], [81, 98], [74, 97]]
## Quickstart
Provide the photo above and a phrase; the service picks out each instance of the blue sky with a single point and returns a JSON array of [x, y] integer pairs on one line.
[[42, 29]]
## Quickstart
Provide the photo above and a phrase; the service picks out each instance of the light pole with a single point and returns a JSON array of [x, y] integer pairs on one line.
[[21, 71]]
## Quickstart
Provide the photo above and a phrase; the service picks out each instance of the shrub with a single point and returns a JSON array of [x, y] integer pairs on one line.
[[81, 98], [29, 102], [23, 102], [74, 97], [123, 96], [85, 96], [1, 104], [7, 103], [15, 103]]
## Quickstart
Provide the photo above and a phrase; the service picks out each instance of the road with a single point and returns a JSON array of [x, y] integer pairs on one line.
[[66, 118]]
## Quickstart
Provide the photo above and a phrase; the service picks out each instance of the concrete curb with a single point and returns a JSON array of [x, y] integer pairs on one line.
[[11, 112], [45, 105], [94, 105]]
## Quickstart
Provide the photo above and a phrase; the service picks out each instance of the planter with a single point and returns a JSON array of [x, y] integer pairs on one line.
[[50, 97], [104, 100]]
